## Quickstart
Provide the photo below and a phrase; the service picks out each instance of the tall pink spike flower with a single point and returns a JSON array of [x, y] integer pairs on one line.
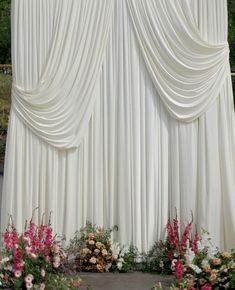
[[179, 270], [7, 239], [17, 257], [14, 238]]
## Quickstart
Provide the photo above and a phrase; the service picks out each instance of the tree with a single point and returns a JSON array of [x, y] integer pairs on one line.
[[231, 32], [5, 32]]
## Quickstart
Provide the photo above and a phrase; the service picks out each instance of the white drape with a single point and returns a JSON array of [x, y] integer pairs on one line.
[[59, 105], [188, 71], [135, 162]]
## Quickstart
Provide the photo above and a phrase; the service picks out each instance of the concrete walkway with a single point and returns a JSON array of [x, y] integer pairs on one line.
[[128, 281]]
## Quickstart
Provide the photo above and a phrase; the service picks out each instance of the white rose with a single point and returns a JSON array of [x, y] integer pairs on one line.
[[119, 265]]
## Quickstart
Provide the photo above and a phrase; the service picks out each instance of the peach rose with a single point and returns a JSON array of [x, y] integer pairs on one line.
[[55, 248], [99, 245], [99, 267], [226, 255], [42, 286], [216, 261], [207, 268], [92, 260], [91, 236], [104, 252], [56, 264], [85, 251], [213, 277], [97, 251]]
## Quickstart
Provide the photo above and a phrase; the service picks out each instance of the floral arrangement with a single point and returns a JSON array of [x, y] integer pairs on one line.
[[195, 263], [32, 260], [91, 247], [167, 255], [125, 258], [207, 269]]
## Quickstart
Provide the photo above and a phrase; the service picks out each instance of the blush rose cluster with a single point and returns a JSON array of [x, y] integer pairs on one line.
[[95, 254]]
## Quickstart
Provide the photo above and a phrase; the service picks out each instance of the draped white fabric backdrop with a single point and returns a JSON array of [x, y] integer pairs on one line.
[[121, 112]]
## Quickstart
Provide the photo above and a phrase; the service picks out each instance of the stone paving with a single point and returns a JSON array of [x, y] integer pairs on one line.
[[128, 281]]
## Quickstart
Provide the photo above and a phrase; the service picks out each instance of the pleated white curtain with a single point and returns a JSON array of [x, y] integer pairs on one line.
[[59, 104], [91, 133]]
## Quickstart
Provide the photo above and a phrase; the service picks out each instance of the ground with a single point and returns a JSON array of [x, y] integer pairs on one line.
[[117, 281]]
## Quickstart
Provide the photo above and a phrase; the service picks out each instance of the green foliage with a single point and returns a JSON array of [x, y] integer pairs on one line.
[[5, 86], [157, 259], [231, 32], [129, 260], [5, 32], [158, 286], [5, 104]]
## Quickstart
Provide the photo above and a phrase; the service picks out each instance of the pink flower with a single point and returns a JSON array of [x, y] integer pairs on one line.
[[17, 258], [27, 240], [206, 286], [7, 239], [47, 258], [194, 243], [57, 259], [42, 286], [29, 278], [55, 248], [176, 227], [56, 264], [170, 232], [48, 240], [31, 229], [18, 274], [179, 270], [34, 256], [185, 236], [43, 273], [29, 285], [41, 231], [28, 250]]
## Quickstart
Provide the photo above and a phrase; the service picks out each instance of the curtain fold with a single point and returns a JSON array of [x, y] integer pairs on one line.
[[135, 162], [58, 107], [187, 71]]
